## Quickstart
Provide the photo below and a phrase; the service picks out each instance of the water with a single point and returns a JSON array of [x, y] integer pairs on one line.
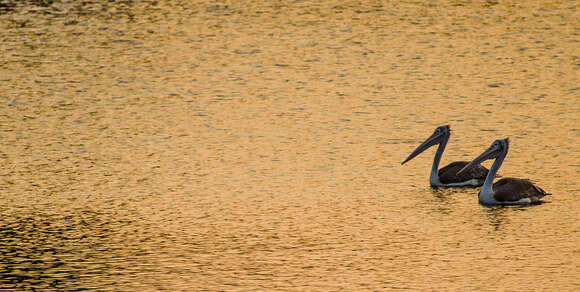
[[247, 145]]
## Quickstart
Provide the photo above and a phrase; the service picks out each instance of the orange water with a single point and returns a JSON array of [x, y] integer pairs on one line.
[[256, 145]]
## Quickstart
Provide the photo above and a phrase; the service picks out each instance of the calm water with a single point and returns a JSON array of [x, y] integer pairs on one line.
[[256, 145]]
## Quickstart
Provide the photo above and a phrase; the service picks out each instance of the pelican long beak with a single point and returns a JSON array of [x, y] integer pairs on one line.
[[490, 153], [432, 140]]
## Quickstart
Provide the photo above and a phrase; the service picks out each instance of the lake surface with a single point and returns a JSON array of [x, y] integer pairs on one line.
[[256, 145]]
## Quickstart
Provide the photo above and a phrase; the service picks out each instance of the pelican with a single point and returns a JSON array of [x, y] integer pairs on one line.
[[448, 176], [506, 191]]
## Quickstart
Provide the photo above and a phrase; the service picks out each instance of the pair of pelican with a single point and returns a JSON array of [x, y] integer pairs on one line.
[[506, 191]]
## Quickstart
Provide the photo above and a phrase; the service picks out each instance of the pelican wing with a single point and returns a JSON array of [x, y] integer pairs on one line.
[[448, 174], [514, 189]]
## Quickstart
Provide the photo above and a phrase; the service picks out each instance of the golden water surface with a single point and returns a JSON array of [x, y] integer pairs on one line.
[[256, 145]]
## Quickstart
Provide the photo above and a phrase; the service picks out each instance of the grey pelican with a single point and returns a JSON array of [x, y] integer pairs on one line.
[[506, 191], [448, 176]]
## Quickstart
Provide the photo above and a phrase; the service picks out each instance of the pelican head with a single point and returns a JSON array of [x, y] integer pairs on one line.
[[497, 147], [440, 134]]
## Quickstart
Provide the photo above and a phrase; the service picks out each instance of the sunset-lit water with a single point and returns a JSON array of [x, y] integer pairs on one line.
[[256, 145]]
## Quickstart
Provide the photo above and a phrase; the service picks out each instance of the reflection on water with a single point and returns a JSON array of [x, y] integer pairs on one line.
[[186, 145], [43, 251]]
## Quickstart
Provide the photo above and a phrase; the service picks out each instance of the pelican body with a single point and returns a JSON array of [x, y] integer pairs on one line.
[[448, 176], [506, 191]]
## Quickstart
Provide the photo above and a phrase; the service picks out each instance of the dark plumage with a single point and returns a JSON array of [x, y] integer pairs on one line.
[[511, 189], [449, 174]]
